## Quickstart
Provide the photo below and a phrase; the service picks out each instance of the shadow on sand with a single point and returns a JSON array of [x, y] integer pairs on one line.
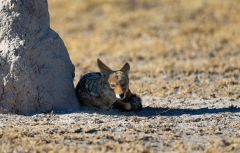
[[154, 111]]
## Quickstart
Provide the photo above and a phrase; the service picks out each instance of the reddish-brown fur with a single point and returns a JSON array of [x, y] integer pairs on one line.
[[103, 90]]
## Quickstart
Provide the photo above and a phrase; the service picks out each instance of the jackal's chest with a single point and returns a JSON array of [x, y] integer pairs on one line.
[[108, 96]]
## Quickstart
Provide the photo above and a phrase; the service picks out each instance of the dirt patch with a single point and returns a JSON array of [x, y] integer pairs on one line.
[[162, 126], [184, 58]]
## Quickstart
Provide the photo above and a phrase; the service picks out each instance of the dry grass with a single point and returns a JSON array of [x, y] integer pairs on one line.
[[177, 49], [101, 133], [183, 49]]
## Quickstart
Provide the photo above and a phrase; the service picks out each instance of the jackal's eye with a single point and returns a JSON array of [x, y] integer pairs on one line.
[[112, 85], [124, 84]]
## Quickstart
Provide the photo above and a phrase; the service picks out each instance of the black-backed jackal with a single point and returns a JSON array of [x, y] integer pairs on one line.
[[108, 88]]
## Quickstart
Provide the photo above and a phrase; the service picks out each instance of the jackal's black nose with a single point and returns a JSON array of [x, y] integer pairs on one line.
[[121, 95]]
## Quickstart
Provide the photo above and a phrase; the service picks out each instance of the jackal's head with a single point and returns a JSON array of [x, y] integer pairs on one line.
[[117, 81]]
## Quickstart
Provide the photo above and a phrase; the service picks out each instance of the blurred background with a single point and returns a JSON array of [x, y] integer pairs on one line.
[[176, 48]]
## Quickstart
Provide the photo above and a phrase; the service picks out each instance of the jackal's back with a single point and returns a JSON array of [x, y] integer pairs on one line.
[[88, 85]]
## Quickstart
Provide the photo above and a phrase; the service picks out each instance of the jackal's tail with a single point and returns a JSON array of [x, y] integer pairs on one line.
[[136, 102]]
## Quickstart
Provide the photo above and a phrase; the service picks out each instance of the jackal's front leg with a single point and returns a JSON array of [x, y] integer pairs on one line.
[[122, 105]]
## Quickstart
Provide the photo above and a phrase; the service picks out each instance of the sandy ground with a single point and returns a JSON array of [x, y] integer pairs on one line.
[[162, 126], [184, 58]]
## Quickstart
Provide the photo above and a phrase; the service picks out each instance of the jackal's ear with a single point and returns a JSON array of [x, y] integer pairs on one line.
[[125, 68], [102, 67]]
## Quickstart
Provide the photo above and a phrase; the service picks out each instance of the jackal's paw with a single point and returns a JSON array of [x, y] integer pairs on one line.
[[127, 106], [136, 102]]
